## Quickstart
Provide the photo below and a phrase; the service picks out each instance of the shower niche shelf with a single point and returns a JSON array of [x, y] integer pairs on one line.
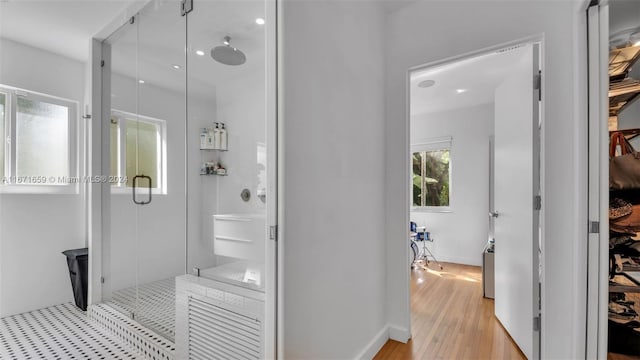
[[205, 149], [214, 174]]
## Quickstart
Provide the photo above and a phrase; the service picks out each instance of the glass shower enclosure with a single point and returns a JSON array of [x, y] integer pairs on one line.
[[188, 147]]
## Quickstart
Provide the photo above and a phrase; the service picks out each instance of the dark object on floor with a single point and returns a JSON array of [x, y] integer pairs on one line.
[[78, 262]]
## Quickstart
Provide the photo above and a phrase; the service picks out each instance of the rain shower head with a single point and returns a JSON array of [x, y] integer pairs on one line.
[[227, 54]]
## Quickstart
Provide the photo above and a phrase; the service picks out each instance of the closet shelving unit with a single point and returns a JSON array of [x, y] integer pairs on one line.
[[623, 284], [623, 91]]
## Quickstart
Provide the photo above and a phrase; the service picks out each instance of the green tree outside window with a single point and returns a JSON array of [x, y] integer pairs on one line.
[[430, 174]]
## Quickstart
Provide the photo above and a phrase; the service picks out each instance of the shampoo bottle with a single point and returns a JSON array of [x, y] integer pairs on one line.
[[203, 138], [210, 137], [223, 138], [216, 137]]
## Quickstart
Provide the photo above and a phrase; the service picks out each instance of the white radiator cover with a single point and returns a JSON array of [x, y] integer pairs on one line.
[[216, 320], [217, 333]]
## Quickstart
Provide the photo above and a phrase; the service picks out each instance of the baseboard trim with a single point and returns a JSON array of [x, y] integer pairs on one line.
[[392, 332], [374, 345], [399, 333], [458, 260]]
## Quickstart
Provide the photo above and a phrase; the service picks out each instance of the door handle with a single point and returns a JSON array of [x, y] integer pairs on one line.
[[135, 186], [494, 214]]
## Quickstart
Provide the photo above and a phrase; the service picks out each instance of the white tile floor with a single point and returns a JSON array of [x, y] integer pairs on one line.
[[58, 332]]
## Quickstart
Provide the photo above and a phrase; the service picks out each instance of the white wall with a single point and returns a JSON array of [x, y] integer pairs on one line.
[[35, 229], [460, 235], [433, 30], [333, 236], [202, 190], [239, 104], [241, 107]]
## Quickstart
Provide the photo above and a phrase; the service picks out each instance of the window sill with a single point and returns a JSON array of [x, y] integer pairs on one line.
[[127, 191], [432, 209], [40, 189]]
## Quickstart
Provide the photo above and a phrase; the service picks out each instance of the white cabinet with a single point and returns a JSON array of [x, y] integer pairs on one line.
[[241, 236]]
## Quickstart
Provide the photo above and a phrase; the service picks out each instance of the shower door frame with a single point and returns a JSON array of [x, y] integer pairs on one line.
[[98, 162]]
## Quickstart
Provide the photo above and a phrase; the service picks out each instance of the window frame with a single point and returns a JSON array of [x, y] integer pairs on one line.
[[161, 149], [426, 145], [10, 143]]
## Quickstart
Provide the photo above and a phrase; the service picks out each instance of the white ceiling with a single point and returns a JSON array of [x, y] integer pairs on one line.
[[61, 27], [149, 48], [156, 41], [478, 77]]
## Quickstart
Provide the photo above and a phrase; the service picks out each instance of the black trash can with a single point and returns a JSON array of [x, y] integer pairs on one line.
[[78, 261]]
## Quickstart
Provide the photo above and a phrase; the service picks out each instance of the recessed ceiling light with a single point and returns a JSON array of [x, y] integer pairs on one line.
[[260, 21], [141, 81], [460, 91], [200, 52], [426, 83], [176, 67]]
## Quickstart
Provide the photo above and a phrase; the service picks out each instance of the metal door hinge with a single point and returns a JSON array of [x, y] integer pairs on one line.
[[273, 232], [537, 323], [102, 63], [538, 85], [186, 6], [594, 227], [102, 279], [537, 202]]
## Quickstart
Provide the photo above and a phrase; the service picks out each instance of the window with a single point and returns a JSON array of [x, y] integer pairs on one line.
[[138, 147], [37, 142], [431, 174]]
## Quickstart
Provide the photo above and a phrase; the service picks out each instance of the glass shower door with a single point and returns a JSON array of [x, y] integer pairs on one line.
[[231, 152], [147, 239], [227, 111], [120, 76], [160, 188]]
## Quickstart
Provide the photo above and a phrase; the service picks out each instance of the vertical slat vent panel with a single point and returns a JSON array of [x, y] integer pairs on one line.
[[217, 333]]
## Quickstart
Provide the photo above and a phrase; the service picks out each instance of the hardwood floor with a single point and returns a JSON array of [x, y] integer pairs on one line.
[[614, 356], [450, 319]]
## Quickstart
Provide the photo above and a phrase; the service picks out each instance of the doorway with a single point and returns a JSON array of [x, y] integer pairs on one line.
[[475, 191], [613, 265]]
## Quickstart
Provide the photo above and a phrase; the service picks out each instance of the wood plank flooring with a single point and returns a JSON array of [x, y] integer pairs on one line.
[[450, 319]]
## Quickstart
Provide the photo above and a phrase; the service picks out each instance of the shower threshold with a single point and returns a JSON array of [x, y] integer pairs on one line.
[[152, 304], [147, 324]]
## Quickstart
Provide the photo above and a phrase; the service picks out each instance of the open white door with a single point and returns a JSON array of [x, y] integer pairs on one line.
[[517, 154], [598, 243]]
